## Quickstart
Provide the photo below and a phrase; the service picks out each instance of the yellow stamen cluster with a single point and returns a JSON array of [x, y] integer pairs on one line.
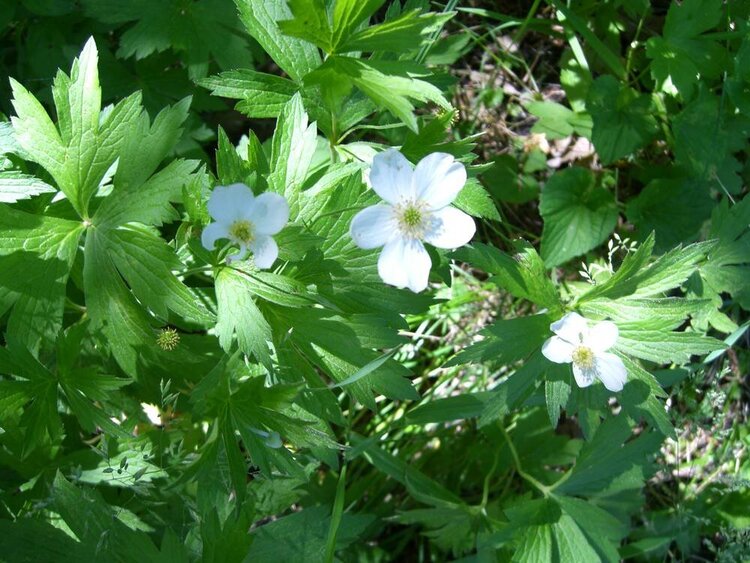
[[242, 231], [411, 220], [583, 357]]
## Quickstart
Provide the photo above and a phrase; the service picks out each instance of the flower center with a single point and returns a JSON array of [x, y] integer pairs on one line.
[[583, 357], [242, 231], [412, 219]]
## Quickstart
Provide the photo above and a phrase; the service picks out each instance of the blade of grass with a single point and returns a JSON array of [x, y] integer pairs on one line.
[[336, 515], [579, 26]]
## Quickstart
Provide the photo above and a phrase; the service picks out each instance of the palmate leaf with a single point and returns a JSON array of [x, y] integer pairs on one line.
[[80, 151], [578, 213], [623, 119], [389, 84], [204, 30], [43, 249], [728, 266], [96, 525], [683, 53], [295, 57]]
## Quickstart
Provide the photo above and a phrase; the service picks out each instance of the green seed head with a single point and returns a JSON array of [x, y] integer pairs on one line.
[[168, 339]]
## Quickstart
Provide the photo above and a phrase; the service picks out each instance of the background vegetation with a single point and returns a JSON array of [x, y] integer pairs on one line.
[[311, 413]]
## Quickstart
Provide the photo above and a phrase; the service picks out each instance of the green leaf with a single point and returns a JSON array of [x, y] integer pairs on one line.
[[474, 200], [294, 143], [578, 215], [113, 309], [556, 395], [407, 32], [623, 119], [522, 274], [301, 536], [202, 31], [510, 392], [390, 84], [43, 248], [309, 22], [90, 518], [709, 158], [349, 14], [146, 146], [602, 530], [146, 263], [728, 266], [260, 94], [421, 486], [673, 209], [149, 203], [557, 122], [663, 346], [667, 272], [239, 315], [15, 186], [460, 407], [295, 57], [506, 341], [683, 54], [609, 454], [87, 145]]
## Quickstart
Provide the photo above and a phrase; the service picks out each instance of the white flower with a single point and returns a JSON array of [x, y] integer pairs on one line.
[[417, 208], [247, 221], [586, 349]]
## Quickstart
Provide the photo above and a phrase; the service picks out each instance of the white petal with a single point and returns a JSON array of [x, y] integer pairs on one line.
[[450, 228], [212, 233], [611, 370], [405, 263], [584, 377], [602, 336], [437, 179], [269, 213], [572, 327], [558, 350], [229, 203], [265, 251], [373, 226], [391, 176], [241, 254]]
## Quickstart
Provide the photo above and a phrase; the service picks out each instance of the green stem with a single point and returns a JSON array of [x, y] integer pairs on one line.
[[541, 487]]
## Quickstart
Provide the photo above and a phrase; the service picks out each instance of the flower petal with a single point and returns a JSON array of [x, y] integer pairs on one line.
[[405, 263], [229, 203], [584, 376], [611, 371], [572, 327], [212, 233], [391, 176], [450, 228], [602, 336], [373, 226], [558, 350], [265, 251], [269, 213], [437, 179], [241, 254]]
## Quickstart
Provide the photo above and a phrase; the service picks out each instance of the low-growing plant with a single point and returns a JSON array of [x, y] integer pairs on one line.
[[342, 322]]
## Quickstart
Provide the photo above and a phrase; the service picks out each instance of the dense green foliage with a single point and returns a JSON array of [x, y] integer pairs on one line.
[[160, 403]]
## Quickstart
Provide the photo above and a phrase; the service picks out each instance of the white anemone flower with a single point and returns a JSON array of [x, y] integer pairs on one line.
[[587, 349], [416, 209], [247, 221]]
